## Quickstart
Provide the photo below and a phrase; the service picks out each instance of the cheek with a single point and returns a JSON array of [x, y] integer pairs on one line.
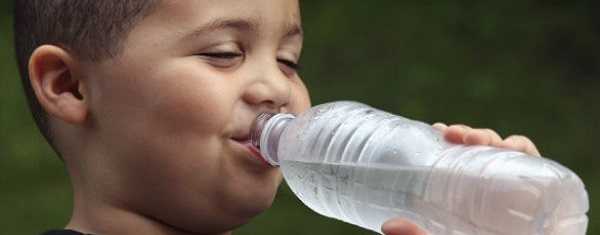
[[300, 98], [186, 121], [171, 132], [189, 105], [172, 120]]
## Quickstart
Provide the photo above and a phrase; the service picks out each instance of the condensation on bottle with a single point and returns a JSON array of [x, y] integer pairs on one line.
[[364, 166]]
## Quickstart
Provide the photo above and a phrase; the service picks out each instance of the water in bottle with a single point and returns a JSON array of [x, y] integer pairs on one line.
[[352, 162]]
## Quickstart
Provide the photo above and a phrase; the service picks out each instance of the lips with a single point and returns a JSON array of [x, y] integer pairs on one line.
[[244, 139]]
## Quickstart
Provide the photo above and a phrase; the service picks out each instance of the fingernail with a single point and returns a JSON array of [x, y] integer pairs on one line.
[[439, 126]]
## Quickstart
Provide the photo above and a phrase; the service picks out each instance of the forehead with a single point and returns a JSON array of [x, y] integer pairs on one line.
[[188, 14]]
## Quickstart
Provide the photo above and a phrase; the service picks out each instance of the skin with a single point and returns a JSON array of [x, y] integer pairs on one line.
[[151, 138]]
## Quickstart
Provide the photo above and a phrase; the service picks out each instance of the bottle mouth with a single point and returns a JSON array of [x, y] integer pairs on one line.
[[257, 128], [266, 132]]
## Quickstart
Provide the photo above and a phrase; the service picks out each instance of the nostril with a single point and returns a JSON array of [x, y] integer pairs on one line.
[[272, 93]]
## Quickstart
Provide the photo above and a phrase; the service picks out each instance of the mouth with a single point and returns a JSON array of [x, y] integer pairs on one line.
[[245, 141]]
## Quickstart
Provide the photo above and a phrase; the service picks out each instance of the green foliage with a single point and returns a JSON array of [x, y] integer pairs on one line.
[[519, 67]]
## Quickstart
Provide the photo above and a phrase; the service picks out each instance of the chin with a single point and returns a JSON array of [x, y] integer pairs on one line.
[[237, 213], [255, 201], [239, 203]]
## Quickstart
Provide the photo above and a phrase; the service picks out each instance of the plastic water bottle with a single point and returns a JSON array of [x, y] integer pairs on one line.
[[352, 162]]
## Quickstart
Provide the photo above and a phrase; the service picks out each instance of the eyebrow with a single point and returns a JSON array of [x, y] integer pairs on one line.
[[240, 24]]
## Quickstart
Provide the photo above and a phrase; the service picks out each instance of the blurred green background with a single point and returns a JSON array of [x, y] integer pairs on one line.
[[519, 67]]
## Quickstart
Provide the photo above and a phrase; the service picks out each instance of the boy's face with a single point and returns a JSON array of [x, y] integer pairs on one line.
[[170, 112]]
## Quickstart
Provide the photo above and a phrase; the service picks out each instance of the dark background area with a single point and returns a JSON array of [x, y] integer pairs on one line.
[[519, 67]]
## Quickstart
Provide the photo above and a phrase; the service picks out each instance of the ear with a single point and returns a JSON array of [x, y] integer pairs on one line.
[[58, 90]]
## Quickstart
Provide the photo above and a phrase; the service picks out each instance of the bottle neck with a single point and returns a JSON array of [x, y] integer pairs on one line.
[[266, 132]]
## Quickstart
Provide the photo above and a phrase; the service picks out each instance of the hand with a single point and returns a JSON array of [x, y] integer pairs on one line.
[[462, 134], [400, 226]]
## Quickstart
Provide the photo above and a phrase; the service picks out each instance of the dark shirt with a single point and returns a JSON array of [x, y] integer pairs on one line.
[[63, 232]]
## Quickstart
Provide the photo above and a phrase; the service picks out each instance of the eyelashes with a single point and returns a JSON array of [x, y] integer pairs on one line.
[[293, 65], [222, 60], [227, 59], [222, 55]]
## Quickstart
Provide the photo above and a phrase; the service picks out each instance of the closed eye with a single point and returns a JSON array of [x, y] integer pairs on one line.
[[222, 55], [222, 59], [291, 64]]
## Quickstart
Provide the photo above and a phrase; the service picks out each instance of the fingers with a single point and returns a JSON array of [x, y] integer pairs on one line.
[[440, 126], [462, 134], [481, 137], [456, 133], [401, 227], [520, 143]]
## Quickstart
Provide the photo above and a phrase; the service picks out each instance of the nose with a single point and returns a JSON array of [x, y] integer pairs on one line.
[[268, 87]]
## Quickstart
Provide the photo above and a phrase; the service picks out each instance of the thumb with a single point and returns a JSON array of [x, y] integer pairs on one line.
[[401, 227]]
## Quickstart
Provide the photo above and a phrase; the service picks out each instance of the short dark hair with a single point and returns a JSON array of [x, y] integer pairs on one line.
[[91, 30]]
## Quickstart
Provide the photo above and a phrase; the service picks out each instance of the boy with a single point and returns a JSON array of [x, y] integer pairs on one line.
[[149, 102]]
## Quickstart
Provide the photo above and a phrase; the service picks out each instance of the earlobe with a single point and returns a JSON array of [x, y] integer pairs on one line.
[[55, 84]]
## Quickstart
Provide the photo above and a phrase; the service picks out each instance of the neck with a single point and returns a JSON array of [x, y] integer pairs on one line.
[[90, 217], [93, 213]]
